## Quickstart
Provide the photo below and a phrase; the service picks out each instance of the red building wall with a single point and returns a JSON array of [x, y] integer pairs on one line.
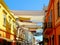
[[53, 34]]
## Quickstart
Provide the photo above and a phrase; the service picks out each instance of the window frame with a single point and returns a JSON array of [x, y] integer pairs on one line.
[[49, 23], [4, 17], [50, 17], [53, 40]]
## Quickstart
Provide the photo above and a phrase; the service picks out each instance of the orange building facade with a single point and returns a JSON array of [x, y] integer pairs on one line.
[[52, 23]]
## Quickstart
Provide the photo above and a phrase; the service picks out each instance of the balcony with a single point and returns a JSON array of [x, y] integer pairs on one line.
[[47, 25]]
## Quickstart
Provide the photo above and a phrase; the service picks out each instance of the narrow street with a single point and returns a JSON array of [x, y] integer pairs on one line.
[[29, 22]]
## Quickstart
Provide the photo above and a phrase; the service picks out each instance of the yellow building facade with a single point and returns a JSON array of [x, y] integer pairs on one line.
[[7, 24]]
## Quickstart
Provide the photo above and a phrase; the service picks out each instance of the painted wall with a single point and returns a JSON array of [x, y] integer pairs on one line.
[[7, 30]]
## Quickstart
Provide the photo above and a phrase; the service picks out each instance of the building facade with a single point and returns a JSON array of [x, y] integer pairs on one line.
[[7, 25], [24, 36], [52, 23]]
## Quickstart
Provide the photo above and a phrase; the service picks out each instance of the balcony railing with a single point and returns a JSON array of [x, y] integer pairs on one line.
[[47, 25]]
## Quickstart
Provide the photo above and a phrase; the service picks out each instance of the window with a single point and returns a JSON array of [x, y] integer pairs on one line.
[[9, 19], [53, 40], [49, 23], [9, 23], [50, 17], [14, 26], [4, 17], [58, 8]]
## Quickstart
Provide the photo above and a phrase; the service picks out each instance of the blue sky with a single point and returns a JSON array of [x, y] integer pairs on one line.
[[26, 4], [39, 38]]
